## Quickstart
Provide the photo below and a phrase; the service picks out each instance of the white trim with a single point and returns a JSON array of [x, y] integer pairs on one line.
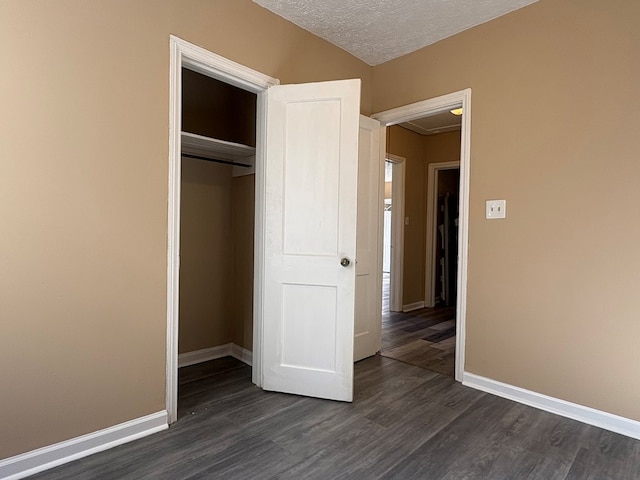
[[212, 353], [242, 354], [432, 229], [413, 306], [463, 232], [185, 54], [173, 228], [259, 238], [422, 109], [416, 110], [397, 232], [382, 153], [51, 456], [215, 66], [204, 355], [394, 158], [588, 415]]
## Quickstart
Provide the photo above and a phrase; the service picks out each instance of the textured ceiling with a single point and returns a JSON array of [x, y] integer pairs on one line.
[[377, 31]]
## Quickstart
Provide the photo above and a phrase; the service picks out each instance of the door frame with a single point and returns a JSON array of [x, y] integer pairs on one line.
[[397, 231], [185, 54], [432, 228], [424, 108]]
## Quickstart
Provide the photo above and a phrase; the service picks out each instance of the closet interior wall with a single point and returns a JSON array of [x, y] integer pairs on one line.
[[217, 221]]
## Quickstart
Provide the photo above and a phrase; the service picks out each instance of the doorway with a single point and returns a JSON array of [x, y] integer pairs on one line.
[[217, 200], [304, 273], [340, 266], [187, 56], [441, 266], [424, 335], [427, 108]]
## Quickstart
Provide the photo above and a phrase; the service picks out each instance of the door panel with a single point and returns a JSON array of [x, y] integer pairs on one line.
[[310, 225], [368, 319]]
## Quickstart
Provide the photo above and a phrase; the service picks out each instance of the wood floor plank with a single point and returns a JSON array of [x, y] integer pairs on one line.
[[514, 463], [267, 460], [424, 338], [543, 432], [405, 423], [457, 444], [588, 465]]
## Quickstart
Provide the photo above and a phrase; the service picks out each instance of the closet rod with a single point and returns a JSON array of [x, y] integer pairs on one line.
[[226, 162]]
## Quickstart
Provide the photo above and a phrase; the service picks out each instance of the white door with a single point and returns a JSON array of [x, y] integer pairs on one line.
[[310, 228], [368, 315]]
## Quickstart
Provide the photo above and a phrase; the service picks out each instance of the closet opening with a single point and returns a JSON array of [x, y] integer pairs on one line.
[[217, 223]]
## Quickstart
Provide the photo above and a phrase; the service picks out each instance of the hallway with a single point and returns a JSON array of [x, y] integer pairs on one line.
[[425, 338]]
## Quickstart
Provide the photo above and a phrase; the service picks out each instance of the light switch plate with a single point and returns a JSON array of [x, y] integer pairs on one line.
[[496, 209]]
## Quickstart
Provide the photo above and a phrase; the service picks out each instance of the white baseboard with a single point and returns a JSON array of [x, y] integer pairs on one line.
[[30, 463], [242, 354], [413, 306], [591, 416], [206, 354]]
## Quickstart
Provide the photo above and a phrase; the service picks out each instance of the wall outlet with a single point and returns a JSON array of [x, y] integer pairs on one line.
[[496, 209]]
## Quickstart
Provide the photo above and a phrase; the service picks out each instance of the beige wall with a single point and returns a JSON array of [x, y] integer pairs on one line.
[[242, 228], [83, 190], [552, 133], [443, 147]]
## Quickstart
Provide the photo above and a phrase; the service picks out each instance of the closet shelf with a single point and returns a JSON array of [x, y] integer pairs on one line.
[[194, 144]]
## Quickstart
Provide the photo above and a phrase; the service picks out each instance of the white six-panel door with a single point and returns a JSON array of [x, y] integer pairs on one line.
[[310, 228], [368, 313]]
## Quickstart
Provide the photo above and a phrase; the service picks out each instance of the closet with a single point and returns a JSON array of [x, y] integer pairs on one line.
[[217, 217]]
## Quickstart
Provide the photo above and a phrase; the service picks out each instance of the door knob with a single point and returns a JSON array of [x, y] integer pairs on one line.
[[345, 262]]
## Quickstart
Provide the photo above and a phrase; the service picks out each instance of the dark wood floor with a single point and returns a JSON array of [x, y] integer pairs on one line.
[[425, 338], [405, 423]]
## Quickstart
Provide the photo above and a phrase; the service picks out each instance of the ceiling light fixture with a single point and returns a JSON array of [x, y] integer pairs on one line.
[[456, 111]]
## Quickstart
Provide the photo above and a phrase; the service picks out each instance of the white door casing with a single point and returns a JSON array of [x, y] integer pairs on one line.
[[310, 226], [368, 313], [323, 369], [432, 229], [397, 232]]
